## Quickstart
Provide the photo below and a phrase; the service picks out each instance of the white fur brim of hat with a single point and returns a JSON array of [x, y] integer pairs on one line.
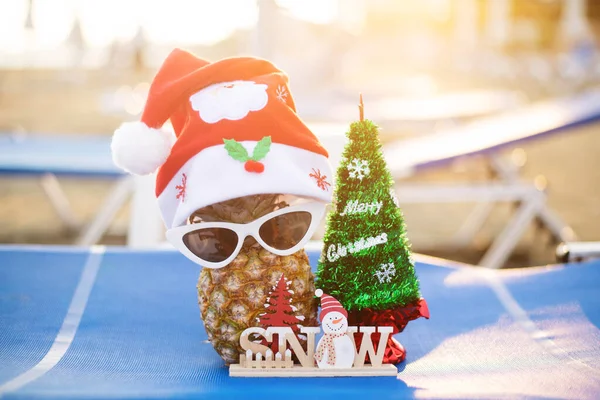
[[212, 176]]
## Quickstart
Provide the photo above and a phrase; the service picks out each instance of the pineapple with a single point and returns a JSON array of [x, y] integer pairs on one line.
[[231, 298]]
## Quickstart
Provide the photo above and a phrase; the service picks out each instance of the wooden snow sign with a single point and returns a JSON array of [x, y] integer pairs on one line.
[[259, 361], [336, 353]]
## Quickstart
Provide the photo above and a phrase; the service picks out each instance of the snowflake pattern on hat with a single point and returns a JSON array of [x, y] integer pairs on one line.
[[321, 180], [281, 93], [181, 189]]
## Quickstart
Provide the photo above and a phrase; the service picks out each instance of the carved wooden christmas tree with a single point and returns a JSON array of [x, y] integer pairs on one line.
[[279, 312]]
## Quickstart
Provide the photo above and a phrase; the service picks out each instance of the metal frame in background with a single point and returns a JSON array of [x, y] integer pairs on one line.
[[530, 205], [487, 136], [52, 157]]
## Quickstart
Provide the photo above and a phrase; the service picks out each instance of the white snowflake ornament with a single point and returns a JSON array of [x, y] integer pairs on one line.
[[358, 169], [385, 272]]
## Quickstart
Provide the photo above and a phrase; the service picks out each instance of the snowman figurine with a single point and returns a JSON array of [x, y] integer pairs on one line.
[[335, 349]]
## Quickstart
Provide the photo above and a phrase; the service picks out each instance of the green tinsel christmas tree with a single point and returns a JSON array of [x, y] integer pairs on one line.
[[366, 262]]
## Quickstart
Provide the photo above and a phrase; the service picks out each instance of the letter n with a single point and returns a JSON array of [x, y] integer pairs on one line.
[[306, 359]]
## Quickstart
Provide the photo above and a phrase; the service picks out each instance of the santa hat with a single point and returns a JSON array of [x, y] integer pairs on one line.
[[329, 304], [236, 134]]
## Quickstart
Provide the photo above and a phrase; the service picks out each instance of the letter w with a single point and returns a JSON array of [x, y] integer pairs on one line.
[[366, 346]]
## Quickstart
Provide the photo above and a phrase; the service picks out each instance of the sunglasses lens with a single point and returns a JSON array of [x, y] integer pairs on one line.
[[285, 231], [211, 244]]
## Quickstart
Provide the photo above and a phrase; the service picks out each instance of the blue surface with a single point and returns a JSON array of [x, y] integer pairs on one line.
[[141, 335], [35, 292], [550, 304], [87, 155]]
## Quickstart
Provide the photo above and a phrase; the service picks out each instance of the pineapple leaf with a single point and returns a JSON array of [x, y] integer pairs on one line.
[[262, 148], [236, 150]]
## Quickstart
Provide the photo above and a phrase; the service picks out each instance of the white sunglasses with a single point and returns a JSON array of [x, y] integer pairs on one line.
[[216, 244]]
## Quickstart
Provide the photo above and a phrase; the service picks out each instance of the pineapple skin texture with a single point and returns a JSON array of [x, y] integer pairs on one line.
[[231, 298]]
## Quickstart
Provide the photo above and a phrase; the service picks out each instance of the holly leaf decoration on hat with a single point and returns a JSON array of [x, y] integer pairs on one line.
[[239, 153], [262, 148], [236, 150]]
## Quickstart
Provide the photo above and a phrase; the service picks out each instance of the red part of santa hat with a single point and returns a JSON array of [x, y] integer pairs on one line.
[[236, 134], [329, 304]]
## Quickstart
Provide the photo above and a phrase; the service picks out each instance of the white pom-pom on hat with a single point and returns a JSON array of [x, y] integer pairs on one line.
[[318, 293], [139, 149]]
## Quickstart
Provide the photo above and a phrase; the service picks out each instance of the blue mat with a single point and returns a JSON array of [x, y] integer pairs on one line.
[[77, 155], [120, 324]]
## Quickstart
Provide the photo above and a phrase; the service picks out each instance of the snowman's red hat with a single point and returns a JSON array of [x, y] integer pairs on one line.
[[329, 304], [236, 134]]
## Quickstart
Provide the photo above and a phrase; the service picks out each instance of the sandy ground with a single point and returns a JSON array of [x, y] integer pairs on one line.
[[568, 163]]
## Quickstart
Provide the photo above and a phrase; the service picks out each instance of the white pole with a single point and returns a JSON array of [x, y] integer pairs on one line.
[[573, 251], [573, 22], [465, 24], [146, 228], [263, 39], [498, 22]]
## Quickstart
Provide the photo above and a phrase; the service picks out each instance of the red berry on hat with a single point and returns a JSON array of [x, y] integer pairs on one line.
[[254, 166]]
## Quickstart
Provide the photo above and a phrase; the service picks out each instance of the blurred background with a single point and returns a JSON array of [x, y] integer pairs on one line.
[[81, 67]]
